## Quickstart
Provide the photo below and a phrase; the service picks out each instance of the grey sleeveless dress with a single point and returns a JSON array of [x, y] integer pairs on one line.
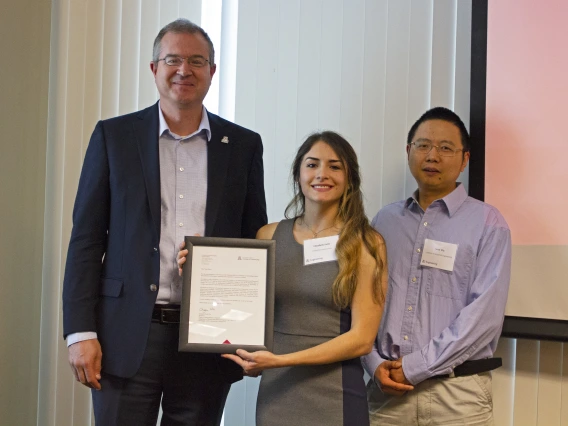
[[305, 316]]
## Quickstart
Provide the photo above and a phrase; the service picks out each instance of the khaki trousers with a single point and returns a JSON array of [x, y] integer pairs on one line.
[[466, 400]]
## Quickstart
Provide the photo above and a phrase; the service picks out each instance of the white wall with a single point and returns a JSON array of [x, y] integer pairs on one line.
[[532, 387], [365, 68], [24, 43]]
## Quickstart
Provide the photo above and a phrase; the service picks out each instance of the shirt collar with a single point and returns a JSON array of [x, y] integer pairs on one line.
[[203, 125], [453, 200]]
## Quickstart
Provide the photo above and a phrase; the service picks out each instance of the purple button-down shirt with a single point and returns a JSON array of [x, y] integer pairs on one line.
[[436, 319]]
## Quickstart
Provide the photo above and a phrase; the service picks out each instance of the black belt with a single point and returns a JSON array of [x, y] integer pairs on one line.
[[166, 314], [469, 368]]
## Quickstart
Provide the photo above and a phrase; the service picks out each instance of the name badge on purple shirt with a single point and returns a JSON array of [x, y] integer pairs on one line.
[[437, 254]]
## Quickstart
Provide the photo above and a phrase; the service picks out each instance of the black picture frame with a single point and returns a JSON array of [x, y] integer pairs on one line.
[[190, 243]]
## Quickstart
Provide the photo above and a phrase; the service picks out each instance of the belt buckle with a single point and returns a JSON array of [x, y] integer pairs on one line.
[[162, 318]]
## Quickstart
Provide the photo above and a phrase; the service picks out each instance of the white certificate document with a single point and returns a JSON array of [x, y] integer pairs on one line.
[[228, 296]]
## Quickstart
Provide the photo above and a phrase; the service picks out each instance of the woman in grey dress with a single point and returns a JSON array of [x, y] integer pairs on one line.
[[326, 314]]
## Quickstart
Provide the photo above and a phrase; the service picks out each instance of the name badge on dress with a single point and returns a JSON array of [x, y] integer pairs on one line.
[[320, 250], [437, 254]]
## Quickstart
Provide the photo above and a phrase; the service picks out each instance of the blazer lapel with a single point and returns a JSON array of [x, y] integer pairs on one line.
[[146, 129], [217, 164]]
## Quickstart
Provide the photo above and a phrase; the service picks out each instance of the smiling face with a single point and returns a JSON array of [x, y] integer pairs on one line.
[[182, 87], [435, 174], [322, 175]]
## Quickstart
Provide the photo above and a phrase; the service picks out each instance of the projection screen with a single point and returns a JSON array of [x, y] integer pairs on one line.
[[524, 170]]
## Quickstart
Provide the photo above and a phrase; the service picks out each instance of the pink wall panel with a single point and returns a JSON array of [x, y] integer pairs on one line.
[[527, 118]]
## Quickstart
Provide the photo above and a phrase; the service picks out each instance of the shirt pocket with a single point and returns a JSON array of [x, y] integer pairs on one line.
[[451, 284]]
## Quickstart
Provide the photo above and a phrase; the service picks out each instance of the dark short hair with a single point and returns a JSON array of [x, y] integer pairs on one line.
[[182, 26], [441, 113]]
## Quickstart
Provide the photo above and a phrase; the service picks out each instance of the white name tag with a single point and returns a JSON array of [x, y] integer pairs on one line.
[[437, 254], [320, 250]]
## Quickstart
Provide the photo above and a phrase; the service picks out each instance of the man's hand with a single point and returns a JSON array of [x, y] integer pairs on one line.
[[85, 359], [181, 256], [392, 379], [397, 374]]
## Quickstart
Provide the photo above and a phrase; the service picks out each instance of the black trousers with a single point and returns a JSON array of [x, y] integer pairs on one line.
[[189, 386]]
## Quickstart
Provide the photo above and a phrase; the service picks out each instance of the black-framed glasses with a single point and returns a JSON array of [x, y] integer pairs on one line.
[[195, 61], [444, 150]]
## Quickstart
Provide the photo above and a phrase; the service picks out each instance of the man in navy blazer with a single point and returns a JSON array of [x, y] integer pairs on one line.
[[148, 179]]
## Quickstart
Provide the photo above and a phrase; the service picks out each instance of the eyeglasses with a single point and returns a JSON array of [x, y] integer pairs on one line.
[[195, 61], [443, 150]]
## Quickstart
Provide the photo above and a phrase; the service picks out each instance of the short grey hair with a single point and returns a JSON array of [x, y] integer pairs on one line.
[[182, 26]]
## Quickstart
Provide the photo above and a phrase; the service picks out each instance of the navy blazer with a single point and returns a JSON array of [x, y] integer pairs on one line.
[[113, 255]]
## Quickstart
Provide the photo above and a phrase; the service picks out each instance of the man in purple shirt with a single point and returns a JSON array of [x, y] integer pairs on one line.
[[449, 259]]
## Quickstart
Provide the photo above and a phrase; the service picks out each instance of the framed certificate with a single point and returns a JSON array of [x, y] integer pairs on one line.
[[227, 295]]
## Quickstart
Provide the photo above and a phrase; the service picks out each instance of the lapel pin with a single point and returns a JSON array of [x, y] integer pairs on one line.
[[225, 139]]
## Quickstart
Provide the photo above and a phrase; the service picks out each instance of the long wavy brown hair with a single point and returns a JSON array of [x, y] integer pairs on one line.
[[356, 227]]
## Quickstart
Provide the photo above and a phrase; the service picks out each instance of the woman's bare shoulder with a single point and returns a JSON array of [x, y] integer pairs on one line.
[[267, 231]]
